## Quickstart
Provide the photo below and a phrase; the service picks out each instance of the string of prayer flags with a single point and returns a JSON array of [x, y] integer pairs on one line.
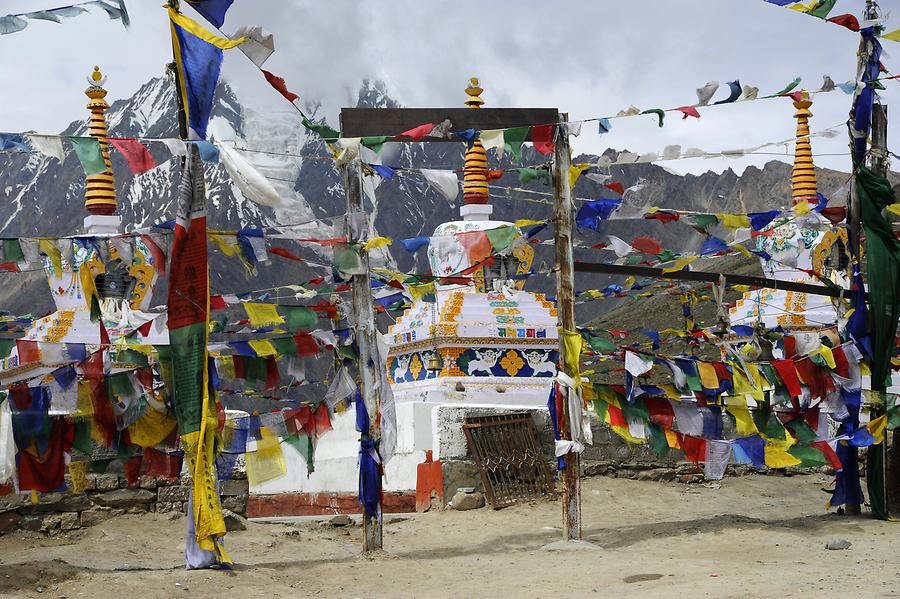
[[136, 154], [89, 154], [198, 59], [114, 9]]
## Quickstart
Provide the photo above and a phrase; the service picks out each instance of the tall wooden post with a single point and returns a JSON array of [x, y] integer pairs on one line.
[[365, 333], [879, 162], [565, 304]]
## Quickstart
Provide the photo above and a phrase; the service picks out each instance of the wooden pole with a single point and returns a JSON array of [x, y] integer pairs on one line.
[[565, 305], [879, 162], [358, 232]]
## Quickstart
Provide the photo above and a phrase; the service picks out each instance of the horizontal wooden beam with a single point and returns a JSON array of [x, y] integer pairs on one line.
[[709, 277], [365, 122]]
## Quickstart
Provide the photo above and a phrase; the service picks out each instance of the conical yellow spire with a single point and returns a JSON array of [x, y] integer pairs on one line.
[[475, 176], [803, 178], [100, 193]]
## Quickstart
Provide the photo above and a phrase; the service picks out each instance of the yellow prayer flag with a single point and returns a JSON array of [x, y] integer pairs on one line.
[[527, 222], [734, 221], [227, 244], [708, 377], [267, 462], [48, 247], [877, 427], [417, 292], [801, 208], [377, 242], [827, 354], [629, 282], [680, 263], [575, 171], [152, 428], [263, 348], [572, 344], [894, 36], [78, 472], [741, 288], [741, 249], [672, 439], [894, 208], [864, 369], [262, 315], [776, 457]]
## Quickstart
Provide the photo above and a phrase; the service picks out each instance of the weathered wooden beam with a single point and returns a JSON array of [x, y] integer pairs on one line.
[[710, 277], [365, 122]]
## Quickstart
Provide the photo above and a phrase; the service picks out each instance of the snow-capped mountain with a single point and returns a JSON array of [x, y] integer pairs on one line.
[[40, 196]]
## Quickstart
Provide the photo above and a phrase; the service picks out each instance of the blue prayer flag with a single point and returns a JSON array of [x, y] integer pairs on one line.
[[592, 213], [13, 141], [603, 126], [754, 448], [385, 172], [734, 95], [212, 10], [198, 64], [758, 220], [713, 245], [414, 244]]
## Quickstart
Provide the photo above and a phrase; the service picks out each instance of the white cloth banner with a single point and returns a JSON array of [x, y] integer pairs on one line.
[[637, 365], [7, 443], [48, 145], [445, 182], [718, 454], [250, 181], [259, 45]]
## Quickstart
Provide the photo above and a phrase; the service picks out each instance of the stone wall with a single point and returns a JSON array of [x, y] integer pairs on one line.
[[106, 496]]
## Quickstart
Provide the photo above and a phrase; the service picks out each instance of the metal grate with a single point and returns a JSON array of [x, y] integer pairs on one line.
[[509, 457]]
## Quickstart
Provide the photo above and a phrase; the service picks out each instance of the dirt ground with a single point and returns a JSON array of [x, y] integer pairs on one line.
[[758, 536]]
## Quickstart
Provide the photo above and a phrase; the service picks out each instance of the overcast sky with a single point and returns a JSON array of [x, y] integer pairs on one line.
[[590, 58]]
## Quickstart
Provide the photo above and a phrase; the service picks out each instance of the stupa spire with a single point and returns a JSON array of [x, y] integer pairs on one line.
[[803, 177], [475, 177], [100, 192]]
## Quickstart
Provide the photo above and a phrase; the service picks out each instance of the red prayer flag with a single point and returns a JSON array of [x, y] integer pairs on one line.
[[478, 246], [647, 245], [788, 374], [694, 448], [159, 256], [542, 138], [661, 412], [849, 21], [285, 254], [136, 154], [10, 266], [217, 302], [417, 133], [306, 344], [28, 351], [664, 217], [616, 187], [687, 111], [278, 83], [323, 420]]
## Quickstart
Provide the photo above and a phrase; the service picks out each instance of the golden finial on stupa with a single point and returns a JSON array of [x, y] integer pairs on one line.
[[803, 177], [100, 191], [474, 91], [475, 175]]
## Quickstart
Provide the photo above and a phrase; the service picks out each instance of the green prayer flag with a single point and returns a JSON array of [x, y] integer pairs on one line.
[[666, 256], [501, 238], [130, 356], [883, 261], [6, 346], [188, 345], [88, 151], [83, 442], [701, 222], [527, 175], [809, 457], [788, 88], [120, 385], [347, 260], [304, 445], [12, 251], [285, 346], [802, 431], [374, 142], [822, 8], [658, 441], [345, 352], [324, 131], [256, 369], [659, 112], [299, 318], [513, 139], [598, 344]]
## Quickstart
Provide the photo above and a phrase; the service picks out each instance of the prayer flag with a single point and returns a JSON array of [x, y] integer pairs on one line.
[[88, 151], [188, 311], [262, 315], [591, 214], [198, 60], [136, 154], [417, 133], [513, 138], [212, 10], [542, 138]]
